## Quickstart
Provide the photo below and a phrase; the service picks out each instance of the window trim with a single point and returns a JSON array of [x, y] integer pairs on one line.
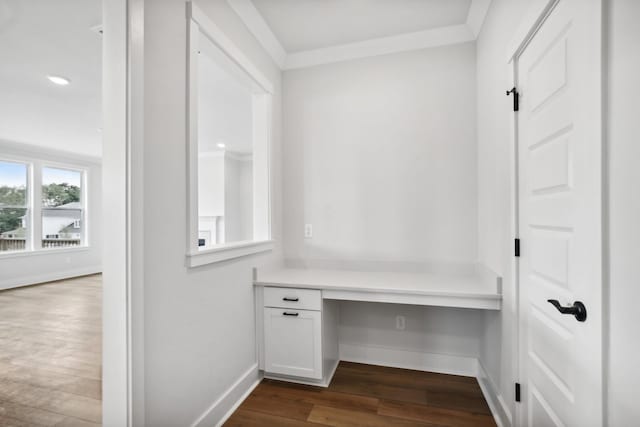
[[28, 244], [199, 24], [84, 240], [34, 235]]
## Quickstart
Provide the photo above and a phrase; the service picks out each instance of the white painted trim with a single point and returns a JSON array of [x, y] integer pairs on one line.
[[475, 301], [227, 251], [409, 359], [230, 400], [477, 12], [220, 39], [24, 150], [257, 26], [533, 18], [499, 408], [381, 46], [38, 252], [199, 25], [49, 277], [123, 21]]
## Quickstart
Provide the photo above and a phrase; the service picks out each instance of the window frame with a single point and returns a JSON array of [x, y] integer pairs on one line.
[[29, 202], [199, 25], [84, 224], [34, 235]]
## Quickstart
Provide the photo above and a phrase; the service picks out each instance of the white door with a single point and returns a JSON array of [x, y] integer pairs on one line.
[[559, 149], [293, 342]]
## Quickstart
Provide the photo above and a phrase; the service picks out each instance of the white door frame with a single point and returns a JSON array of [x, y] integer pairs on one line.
[[122, 403], [529, 26]]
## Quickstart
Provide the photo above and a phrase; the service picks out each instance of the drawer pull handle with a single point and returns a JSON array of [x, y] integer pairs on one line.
[[290, 314], [290, 299]]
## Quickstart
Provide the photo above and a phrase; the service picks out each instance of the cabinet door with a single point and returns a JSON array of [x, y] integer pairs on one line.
[[293, 342]]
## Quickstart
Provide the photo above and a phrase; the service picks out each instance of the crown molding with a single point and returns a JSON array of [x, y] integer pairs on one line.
[[257, 26], [477, 12], [435, 37], [381, 46]]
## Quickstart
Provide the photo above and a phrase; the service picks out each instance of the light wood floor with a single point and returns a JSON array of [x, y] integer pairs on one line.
[[372, 396], [50, 354]]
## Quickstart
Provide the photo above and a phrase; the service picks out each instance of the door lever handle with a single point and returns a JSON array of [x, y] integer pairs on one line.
[[578, 310]]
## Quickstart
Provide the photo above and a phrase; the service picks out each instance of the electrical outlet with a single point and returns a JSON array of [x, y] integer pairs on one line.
[[401, 323], [308, 231]]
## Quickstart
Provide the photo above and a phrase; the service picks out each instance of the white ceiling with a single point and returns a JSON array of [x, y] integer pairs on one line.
[[312, 24], [305, 33], [43, 37]]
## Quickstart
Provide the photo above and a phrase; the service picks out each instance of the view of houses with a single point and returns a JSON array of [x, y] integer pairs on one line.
[[61, 210]]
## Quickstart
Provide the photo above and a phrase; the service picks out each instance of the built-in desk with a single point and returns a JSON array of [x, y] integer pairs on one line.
[[297, 310], [479, 289]]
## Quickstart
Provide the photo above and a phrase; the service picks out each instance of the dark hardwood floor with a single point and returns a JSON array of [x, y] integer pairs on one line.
[[51, 354], [366, 395]]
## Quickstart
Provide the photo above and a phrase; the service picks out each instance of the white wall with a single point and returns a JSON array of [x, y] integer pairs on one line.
[[495, 242], [42, 266], [623, 134], [380, 157], [198, 323], [238, 177], [211, 173]]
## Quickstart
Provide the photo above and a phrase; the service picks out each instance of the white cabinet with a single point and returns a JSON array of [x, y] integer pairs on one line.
[[301, 299], [293, 342], [297, 334]]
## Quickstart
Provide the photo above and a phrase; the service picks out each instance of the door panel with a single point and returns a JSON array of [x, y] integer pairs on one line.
[[559, 176]]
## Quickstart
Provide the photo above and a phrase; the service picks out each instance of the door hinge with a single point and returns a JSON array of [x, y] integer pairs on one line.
[[517, 392], [516, 98], [516, 247]]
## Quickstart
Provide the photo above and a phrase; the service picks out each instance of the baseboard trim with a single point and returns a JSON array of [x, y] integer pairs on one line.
[[498, 406], [408, 359], [218, 413], [49, 277]]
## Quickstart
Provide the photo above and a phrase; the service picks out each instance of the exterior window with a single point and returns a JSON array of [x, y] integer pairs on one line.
[[14, 206], [62, 208]]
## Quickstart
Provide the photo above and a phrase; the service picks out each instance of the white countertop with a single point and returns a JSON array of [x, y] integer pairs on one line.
[[482, 289]]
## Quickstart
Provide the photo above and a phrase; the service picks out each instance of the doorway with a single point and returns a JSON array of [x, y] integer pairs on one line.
[[557, 70]]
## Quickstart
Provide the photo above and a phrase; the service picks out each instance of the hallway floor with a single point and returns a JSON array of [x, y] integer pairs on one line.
[[51, 354], [366, 395]]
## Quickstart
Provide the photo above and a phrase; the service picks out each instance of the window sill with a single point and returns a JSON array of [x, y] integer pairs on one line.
[[227, 252], [50, 251]]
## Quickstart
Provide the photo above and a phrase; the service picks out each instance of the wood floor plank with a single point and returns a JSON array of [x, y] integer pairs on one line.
[[277, 406], [436, 415], [317, 396], [365, 395], [29, 414], [51, 354], [14, 422], [350, 385], [344, 418], [246, 418], [75, 422]]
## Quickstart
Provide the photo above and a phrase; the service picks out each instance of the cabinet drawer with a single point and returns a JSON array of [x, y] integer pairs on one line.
[[301, 299], [293, 342]]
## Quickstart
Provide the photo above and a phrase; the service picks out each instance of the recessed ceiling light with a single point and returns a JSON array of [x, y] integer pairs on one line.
[[59, 80], [221, 145]]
